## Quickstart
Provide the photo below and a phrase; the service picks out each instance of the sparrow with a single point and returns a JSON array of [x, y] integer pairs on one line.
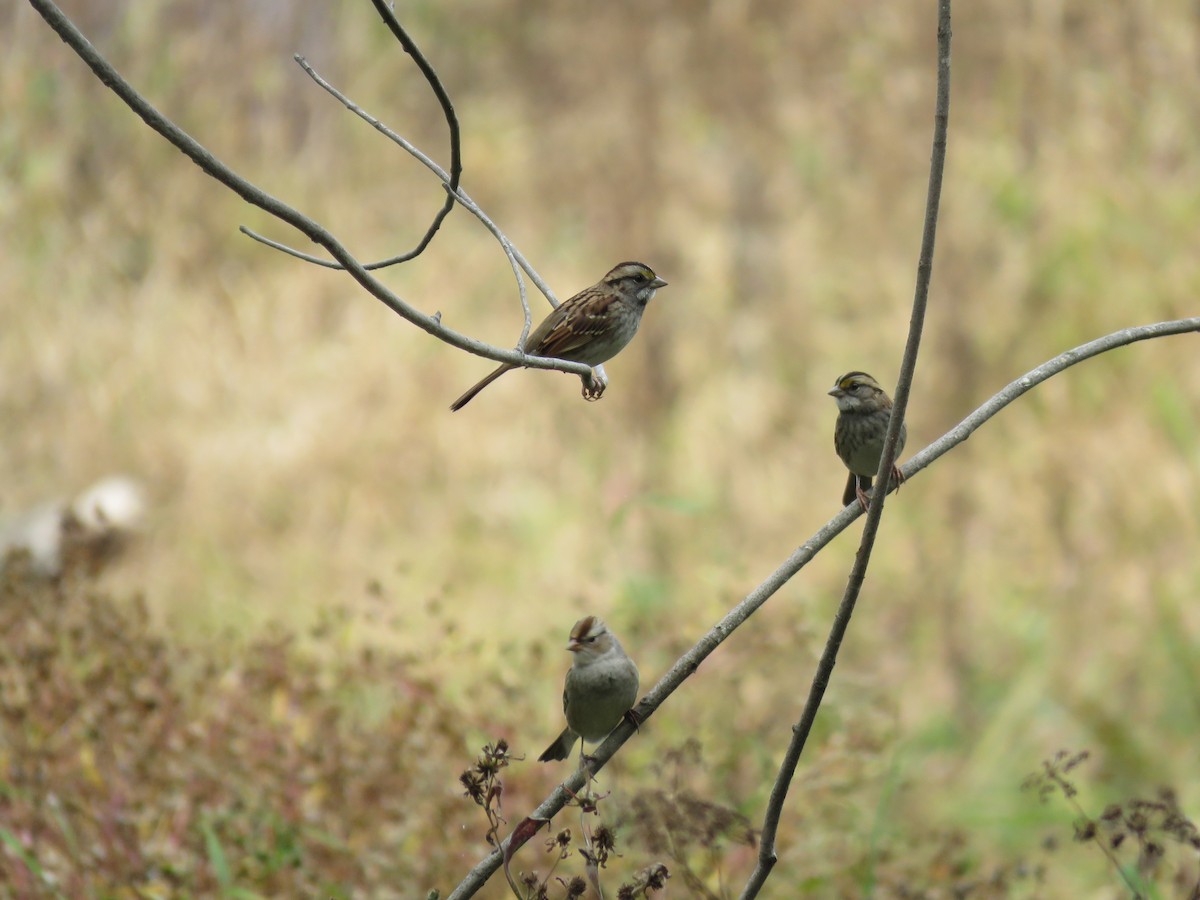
[[864, 412], [600, 690]]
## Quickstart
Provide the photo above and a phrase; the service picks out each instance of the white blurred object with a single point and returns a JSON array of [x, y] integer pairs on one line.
[[40, 532], [90, 530], [116, 502]]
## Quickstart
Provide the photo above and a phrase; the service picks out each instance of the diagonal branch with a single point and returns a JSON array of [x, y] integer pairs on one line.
[[858, 571], [213, 167], [690, 661]]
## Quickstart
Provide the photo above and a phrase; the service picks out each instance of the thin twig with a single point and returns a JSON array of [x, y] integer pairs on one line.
[[858, 571], [1108, 852], [426, 161], [690, 661], [515, 257], [443, 98], [257, 197], [439, 91], [515, 260]]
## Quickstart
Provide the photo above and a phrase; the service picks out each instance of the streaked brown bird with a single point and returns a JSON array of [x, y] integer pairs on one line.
[[590, 328], [864, 411]]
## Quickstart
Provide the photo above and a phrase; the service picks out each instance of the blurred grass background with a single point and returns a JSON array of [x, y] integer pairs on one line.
[[1034, 590]]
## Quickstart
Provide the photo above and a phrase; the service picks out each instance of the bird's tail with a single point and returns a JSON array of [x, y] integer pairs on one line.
[[849, 495], [470, 394], [561, 748]]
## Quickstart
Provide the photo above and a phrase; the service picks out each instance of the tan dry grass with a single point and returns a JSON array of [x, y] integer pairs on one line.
[[771, 165]]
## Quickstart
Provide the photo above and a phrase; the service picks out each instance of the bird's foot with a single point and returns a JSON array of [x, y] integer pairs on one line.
[[594, 384]]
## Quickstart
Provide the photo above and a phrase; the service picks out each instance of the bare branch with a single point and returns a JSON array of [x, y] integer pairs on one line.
[[515, 257], [439, 91], [1034, 377], [690, 661], [451, 180], [257, 197], [858, 571]]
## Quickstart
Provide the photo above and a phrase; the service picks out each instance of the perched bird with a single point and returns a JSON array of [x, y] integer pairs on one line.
[[601, 687], [864, 411], [592, 327]]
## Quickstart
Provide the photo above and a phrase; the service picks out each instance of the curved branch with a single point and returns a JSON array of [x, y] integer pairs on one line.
[[439, 91], [690, 661], [251, 194], [407, 146], [858, 571], [515, 258], [1034, 377]]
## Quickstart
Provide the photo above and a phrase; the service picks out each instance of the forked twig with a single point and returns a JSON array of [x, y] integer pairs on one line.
[[443, 98], [252, 194], [515, 257]]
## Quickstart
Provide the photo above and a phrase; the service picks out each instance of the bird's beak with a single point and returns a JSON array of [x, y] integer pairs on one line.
[[657, 283], [574, 646], [836, 392]]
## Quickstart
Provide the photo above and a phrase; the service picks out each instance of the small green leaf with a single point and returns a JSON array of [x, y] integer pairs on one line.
[[216, 857], [15, 845]]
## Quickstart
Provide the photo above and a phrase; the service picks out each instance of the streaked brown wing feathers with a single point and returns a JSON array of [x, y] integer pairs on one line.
[[577, 325]]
